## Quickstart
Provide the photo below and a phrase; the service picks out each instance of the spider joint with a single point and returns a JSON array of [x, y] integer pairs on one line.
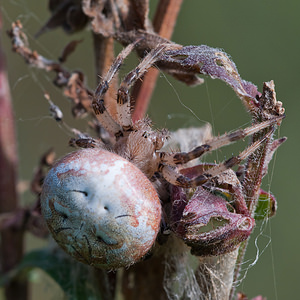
[[122, 96], [98, 106], [237, 135], [233, 161]]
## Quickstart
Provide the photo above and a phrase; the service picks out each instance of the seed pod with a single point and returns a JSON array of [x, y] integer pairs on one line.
[[100, 208]]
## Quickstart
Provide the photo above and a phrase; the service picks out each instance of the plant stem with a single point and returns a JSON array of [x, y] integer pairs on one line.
[[164, 22], [11, 250]]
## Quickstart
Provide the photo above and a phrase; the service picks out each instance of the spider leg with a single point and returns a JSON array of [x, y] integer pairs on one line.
[[85, 143], [174, 159], [107, 121], [103, 115], [175, 178], [123, 96], [115, 67]]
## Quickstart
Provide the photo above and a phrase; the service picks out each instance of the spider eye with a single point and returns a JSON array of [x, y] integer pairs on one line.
[[145, 134]]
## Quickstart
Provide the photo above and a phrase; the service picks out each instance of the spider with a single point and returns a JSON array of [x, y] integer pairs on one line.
[[140, 144], [138, 166]]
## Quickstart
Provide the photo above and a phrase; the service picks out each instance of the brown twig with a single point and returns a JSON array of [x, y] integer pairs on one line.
[[11, 238], [163, 23], [259, 160]]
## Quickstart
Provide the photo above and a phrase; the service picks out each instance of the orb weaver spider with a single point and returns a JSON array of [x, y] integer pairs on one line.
[[104, 204]]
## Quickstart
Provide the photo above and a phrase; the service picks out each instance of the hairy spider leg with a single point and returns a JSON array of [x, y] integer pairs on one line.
[[98, 105], [174, 159], [123, 96], [174, 177], [107, 121]]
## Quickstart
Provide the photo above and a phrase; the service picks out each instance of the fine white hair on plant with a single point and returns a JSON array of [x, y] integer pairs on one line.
[[187, 276], [180, 280], [259, 251]]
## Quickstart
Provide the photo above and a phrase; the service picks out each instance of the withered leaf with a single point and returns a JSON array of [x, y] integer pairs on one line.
[[69, 49], [206, 225], [66, 13]]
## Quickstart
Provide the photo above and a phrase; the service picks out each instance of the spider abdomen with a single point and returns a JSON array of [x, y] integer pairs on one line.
[[100, 208]]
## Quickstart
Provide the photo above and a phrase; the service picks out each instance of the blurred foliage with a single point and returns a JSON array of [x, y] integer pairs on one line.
[[266, 206], [73, 278]]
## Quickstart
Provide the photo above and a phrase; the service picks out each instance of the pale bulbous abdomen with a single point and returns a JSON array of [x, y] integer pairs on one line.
[[100, 208]]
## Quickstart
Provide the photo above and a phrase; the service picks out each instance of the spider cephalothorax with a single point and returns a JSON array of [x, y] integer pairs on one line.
[[101, 205]]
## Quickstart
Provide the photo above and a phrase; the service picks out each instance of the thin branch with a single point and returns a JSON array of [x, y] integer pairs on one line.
[[163, 23], [257, 163], [11, 238]]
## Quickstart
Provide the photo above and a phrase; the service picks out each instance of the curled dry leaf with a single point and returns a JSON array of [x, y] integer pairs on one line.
[[102, 16], [67, 14], [80, 95], [69, 49], [206, 222], [110, 17]]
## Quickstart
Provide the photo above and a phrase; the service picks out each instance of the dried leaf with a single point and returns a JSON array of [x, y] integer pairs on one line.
[[66, 13], [80, 95], [102, 15], [70, 48], [61, 269], [138, 15], [206, 225], [110, 17]]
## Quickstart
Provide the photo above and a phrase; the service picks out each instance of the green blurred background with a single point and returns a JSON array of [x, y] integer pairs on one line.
[[263, 39]]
